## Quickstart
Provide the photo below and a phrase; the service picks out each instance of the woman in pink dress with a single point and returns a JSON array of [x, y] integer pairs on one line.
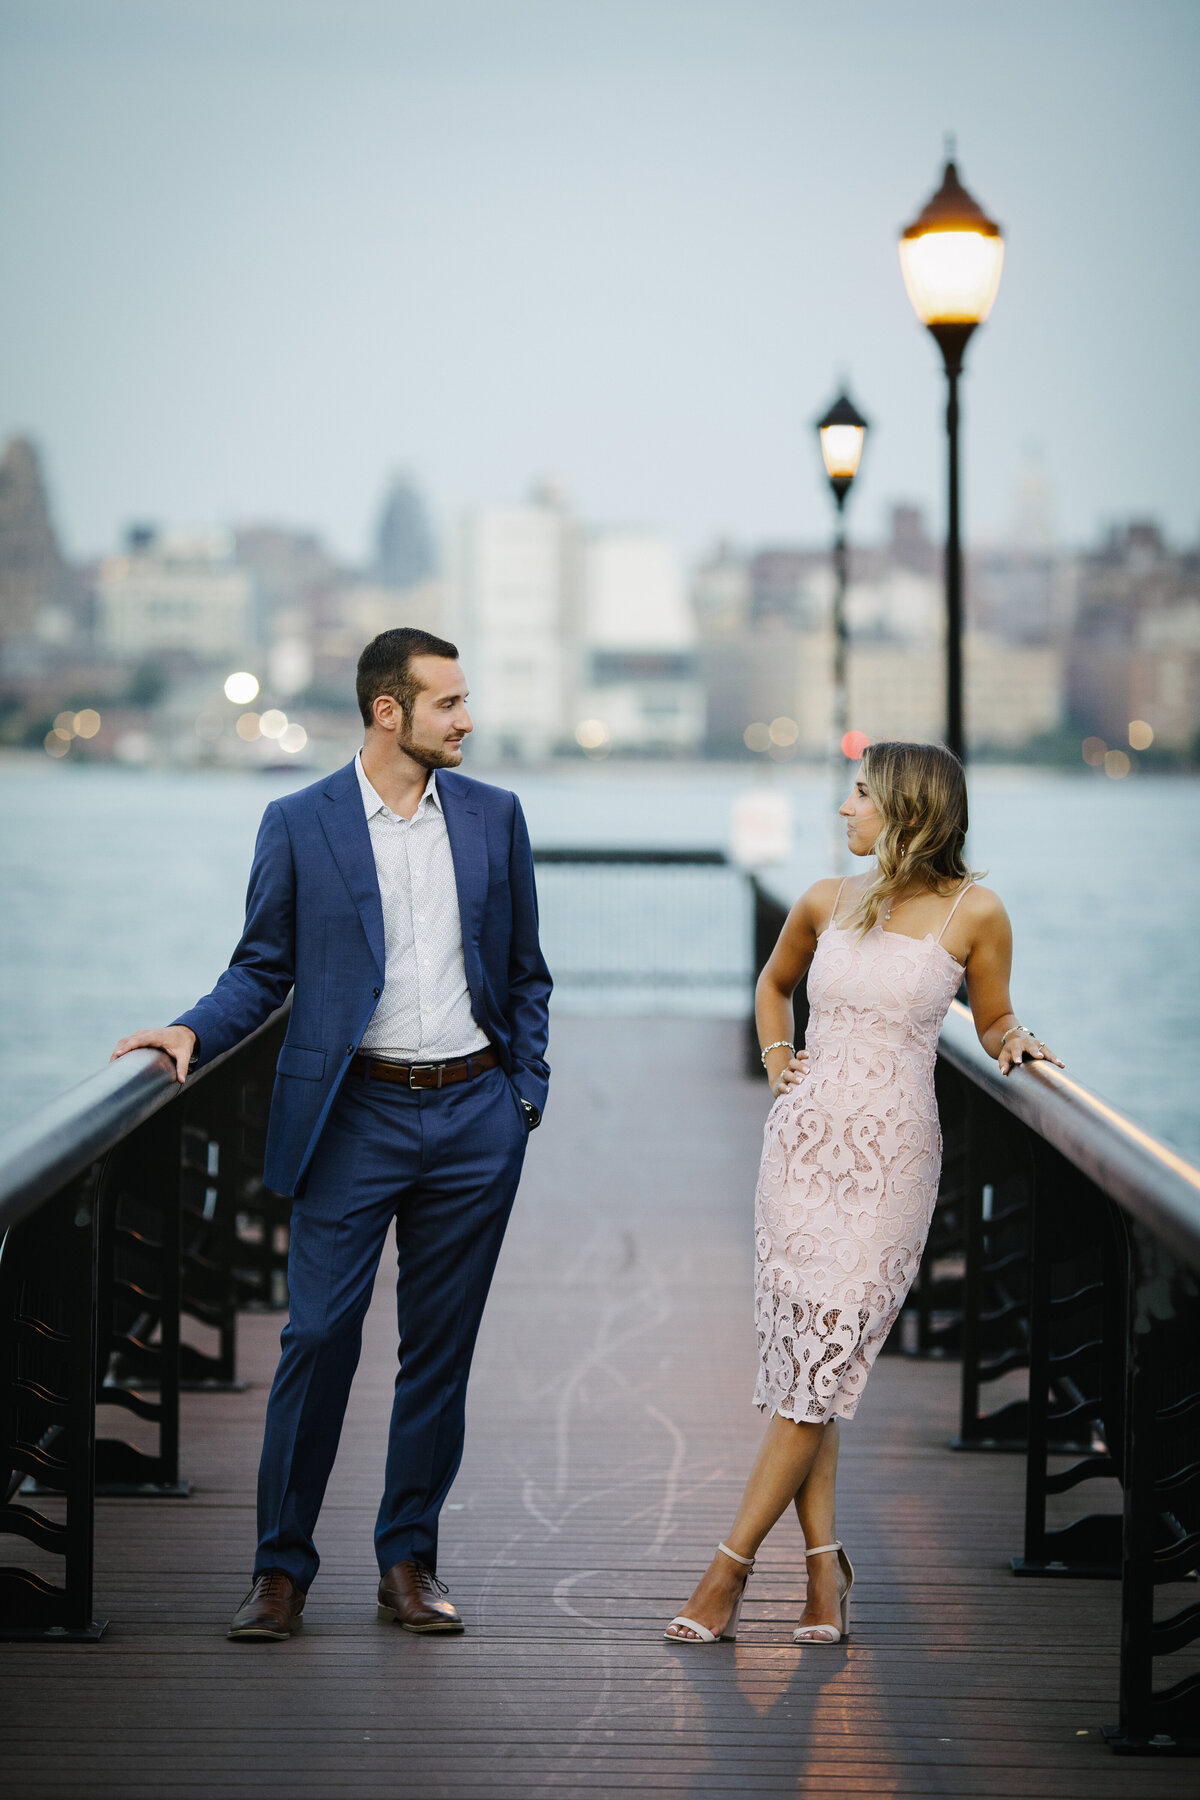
[[852, 1146]]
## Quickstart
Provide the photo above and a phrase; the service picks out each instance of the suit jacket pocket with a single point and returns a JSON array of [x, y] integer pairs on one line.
[[308, 1065]]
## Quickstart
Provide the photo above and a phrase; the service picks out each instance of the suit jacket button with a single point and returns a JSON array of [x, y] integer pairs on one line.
[[349, 1049], [374, 993]]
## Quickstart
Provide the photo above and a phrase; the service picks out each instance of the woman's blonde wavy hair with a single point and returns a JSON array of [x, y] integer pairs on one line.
[[920, 791]]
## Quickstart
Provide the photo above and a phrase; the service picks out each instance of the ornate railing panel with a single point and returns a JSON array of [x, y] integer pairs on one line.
[[128, 1206], [1109, 1299]]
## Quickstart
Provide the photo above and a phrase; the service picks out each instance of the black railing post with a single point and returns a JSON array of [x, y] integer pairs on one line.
[[49, 1305], [1078, 1288], [1161, 1528], [139, 1311]]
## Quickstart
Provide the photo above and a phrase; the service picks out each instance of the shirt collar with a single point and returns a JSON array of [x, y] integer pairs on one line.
[[372, 804]]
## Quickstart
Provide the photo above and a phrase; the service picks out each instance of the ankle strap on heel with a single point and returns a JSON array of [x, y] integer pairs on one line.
[[746, 1561], [817, 1549]]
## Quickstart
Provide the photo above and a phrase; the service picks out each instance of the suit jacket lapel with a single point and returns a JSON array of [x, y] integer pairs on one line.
[[468, 849], [345, 826]]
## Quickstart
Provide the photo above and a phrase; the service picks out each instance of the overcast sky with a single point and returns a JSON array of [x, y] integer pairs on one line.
[[259, 253]]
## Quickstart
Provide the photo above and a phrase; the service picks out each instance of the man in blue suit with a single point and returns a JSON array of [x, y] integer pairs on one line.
[[395, 900]]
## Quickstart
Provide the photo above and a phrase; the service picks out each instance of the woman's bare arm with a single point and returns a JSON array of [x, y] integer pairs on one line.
[[989, 966], [785, 969]]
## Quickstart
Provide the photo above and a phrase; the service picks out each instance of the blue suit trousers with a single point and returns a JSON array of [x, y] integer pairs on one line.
[[444, 1165]]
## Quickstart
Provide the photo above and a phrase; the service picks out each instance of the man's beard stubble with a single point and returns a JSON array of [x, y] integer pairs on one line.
[[424, 757]]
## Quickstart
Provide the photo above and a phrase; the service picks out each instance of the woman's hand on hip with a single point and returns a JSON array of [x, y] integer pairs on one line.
[[794, 1070]]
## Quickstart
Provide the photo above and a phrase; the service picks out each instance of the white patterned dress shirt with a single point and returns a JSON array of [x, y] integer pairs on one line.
[[424, 1012]]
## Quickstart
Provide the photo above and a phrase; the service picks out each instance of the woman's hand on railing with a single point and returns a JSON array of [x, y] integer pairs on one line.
[[794, 1069], [177, 1040], [1022, 1045]]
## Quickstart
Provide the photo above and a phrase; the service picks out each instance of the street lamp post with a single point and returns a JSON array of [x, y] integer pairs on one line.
[[951, 256], [842, 433]]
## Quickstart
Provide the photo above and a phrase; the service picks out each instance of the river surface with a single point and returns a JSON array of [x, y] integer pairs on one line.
[[121, 894]]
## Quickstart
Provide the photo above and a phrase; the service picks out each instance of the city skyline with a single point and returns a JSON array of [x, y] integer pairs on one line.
[[630, 250]]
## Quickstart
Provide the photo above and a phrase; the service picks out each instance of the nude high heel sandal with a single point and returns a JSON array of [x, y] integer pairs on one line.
[[829, 1634], [703, 1634]]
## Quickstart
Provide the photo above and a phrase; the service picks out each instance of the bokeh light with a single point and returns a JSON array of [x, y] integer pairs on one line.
[[56, 743], [854, 743], [87, 722], [247, 727], [591, 733], [65, 725], [1141, 735], [1117, 764], [757, 736], [784, 732], [292, 739], [273, 723], [241, 687], [1094, 751]]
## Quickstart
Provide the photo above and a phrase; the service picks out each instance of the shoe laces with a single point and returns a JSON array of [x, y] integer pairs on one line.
[[272, 1584], [429, 1580]]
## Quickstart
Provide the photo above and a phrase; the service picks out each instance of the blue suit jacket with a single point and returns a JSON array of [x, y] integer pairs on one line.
[[314, 922]]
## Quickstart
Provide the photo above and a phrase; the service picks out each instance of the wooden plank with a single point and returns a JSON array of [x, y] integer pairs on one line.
[[610, 1430]]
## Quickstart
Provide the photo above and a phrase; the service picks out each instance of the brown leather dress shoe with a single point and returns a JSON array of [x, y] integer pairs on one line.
[[271, 1610], [413, 1596]]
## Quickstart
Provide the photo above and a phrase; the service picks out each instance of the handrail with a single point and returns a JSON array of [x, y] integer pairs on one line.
[[1153, 1183], [652, 854], [56, 1143]]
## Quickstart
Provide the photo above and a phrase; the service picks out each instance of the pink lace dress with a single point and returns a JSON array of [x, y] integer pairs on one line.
[[850, 1165]]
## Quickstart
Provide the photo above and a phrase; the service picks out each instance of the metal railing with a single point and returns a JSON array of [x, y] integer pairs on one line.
[[630, 931], [1082, 1266], [135, 1225], [1063, 1266]]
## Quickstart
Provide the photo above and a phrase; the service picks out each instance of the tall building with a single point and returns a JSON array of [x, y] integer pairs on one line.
[[516, 592], [405, 548], [37, 589]]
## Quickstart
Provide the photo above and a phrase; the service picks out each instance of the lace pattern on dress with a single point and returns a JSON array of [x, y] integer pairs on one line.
[[849, 1173]]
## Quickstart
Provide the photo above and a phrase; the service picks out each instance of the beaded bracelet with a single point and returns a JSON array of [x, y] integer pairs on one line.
[[1013, 1028], [779, 1044]]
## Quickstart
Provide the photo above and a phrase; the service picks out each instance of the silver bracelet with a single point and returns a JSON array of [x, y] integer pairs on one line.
[[1021, 1028], [779, 1044]]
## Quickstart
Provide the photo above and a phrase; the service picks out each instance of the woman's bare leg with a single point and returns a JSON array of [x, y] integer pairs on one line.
[[816, 1509], [784, 1460]]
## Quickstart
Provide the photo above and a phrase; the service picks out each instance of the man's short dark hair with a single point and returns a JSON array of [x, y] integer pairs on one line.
[[385, 667]]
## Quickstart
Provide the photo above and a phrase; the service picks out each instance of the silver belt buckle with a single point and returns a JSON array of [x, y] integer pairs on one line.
[[413, 1068]]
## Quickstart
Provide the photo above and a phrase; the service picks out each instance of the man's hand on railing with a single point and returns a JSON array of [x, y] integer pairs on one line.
[[177, 1040]]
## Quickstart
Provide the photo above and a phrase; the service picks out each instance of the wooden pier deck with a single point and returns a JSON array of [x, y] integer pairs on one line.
[[610, 1430]]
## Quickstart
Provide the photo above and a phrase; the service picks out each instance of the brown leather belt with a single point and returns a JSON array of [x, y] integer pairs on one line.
[[424, 1075]]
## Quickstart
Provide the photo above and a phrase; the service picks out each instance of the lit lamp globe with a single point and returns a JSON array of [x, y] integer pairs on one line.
[[951, 257], [841, 432]]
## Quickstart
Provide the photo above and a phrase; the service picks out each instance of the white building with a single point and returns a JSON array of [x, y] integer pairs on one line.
[[636, 685], [514, 590], [176, 592]]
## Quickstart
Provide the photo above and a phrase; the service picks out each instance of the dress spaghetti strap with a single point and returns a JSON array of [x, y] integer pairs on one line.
[[837, 901], [941, 934]]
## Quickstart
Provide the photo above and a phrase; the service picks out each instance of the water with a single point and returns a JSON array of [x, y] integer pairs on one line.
[[121, 895]]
